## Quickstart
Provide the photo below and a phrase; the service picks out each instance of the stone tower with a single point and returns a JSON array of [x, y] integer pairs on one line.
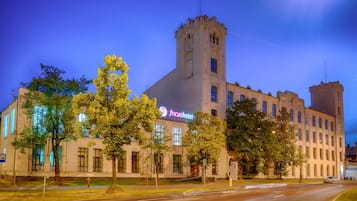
[[201, 65], [328, 98]]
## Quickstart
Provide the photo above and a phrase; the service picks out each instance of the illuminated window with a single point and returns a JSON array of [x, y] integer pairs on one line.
[[177, 136], [230, 99], [38, 156], [13, 119], [39, 117], [213, 65], [159, 134], [6, 123], [52, 158], [213, 94]]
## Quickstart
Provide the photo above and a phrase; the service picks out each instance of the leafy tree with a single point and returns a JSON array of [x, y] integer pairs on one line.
[[158, 145], [118, 119], [247, 135], [49, 99], [204, 139]]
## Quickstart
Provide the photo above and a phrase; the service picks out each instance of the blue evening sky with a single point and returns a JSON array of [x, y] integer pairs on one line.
[[272, 45]]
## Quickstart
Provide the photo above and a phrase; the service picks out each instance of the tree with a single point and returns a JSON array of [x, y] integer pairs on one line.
[[110, 113], [48, 104], [204, 139], [247, 135], [157, 143]]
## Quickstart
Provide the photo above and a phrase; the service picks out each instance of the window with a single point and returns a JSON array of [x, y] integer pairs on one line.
[[214, 168], [326, 124], [82, 159], [159, 134], [320, 122], [328, 170], [213, 94], [333, 155], [135, 162], [340, 141], [264, 107], [331, 126], [314, 152], [307, 136], [321, 154], [177, 136], [320, 138], [291, 115], [327, 155], [314, 137], [241, 98], [326, 139], [213, 65], [230, 99], [52, 158], [341, 158], [177, 164], [6, 122], [307, 152], [308, 170], [273, 110], [122, 162], [313, 121], [39, 115], [82, 118], [332, 141], [214, 112], [299, 117], [38, 156], [13, 119], [315, 170], [321, 170], [98, 160], [254, 102], [159, 162], [299, 134]]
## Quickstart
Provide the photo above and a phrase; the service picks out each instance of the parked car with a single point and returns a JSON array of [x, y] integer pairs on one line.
[[331, 180]]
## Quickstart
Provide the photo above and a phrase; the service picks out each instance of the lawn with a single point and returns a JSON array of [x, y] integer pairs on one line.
[[350, 195]]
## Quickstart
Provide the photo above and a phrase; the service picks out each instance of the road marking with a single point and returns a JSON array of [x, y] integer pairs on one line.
[[278, 196]]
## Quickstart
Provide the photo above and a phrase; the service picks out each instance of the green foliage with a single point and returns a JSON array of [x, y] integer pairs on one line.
[[51, 95], [111, 113], [204, 138], [258, 141]]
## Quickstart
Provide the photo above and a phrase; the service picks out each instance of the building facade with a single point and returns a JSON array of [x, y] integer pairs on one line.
[[197, 84]]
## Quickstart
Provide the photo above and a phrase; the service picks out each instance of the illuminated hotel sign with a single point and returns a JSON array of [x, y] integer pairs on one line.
[[174, 114]]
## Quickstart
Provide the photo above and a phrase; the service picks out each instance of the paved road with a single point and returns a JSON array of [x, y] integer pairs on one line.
[[292, 192]]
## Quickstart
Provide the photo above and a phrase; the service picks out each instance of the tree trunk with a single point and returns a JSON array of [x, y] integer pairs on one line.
[[114, 187], [57, 180]]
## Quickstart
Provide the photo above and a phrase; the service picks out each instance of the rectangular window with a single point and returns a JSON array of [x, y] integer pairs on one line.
[[320, 138], [6, 123], [327, 155], [83, 159], [230, 99], [13, 119], [214, 112], [264, 107], [273, 110], [307, 152], [341, 158], [213, 65], [321, 154], [314, 137], [320, 122], [314, 152], [326, 124], [299, 117], [135, 162], [332, 141], [307, 136], [159, 162], [38, 156], [241, 98], [52, 158], [299, 134], [331, 126], [291, 115], [39, 115], [122, 162], [214, 168], [177, 136], [98, 160], [326, 139], [214, 94], [177, 164], [159, 134], [340, 141], [313, 121]]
